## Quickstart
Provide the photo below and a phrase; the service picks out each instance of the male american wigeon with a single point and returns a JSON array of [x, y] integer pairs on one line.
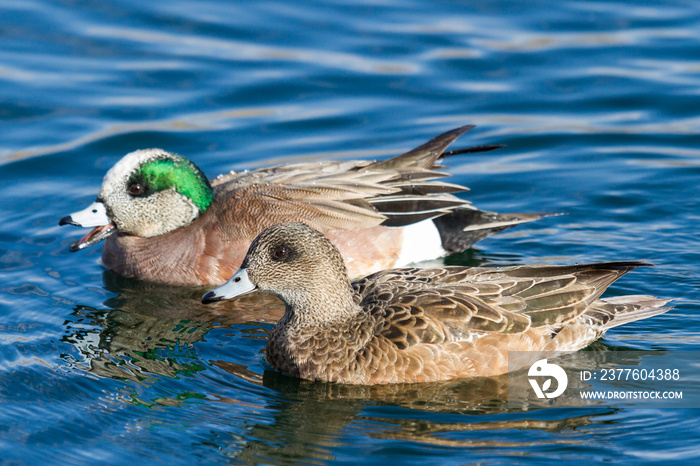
[[421, 325], [165, 222]]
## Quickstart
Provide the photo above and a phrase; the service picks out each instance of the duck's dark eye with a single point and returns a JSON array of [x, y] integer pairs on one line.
[[281, 253], [137, 189]]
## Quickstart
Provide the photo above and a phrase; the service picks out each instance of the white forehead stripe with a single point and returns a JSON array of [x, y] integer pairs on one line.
[[127, 165]]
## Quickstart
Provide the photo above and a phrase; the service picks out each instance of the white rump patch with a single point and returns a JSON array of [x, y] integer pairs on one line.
[[421, 242]]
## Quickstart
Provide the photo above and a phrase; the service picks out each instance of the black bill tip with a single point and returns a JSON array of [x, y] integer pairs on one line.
[[211, 297], [67, 220]]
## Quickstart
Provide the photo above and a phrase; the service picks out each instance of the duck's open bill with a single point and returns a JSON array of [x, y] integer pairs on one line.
[[95, 215]]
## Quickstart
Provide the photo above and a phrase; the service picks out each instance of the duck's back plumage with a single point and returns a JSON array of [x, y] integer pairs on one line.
[[348, 195]]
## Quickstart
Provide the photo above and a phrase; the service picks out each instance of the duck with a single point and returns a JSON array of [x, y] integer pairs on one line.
[[163, 220], [414, 325]]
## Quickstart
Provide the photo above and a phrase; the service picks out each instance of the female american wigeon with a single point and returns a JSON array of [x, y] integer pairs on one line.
[[421, 325], [165, 222]]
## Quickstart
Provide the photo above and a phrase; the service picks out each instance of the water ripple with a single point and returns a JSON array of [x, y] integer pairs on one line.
[[596, 103]]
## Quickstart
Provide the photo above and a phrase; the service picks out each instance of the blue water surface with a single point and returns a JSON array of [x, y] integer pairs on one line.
[[596, 102]]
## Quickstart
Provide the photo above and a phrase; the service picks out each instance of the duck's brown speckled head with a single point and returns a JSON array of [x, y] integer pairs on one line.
[[300, 266]]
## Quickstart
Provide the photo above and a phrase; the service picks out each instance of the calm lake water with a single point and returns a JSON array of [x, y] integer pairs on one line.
[[597, 103]]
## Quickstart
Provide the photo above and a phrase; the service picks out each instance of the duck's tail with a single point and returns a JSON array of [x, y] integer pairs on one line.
[[420, 196], [612, 312], [465, 226]]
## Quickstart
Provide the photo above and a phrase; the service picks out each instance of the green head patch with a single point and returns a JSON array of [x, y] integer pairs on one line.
[[181, 174]]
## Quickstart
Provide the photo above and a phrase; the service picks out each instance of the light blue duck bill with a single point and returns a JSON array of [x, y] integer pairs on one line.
[[95, 215], [237, 285]]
